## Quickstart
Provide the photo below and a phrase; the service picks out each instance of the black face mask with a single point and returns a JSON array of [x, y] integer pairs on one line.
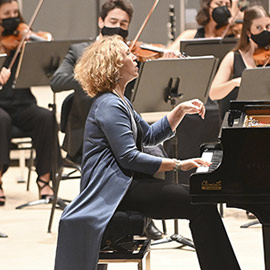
[[221, 15], [10, 25], [262, 39], [110, 31]]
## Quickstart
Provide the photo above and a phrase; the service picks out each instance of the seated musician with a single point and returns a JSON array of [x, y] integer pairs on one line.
[[255, 33], [212, 15], [115, 169], [115, 17], [19, 107]]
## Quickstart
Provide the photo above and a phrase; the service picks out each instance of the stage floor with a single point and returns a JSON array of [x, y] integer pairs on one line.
[[30, 247]]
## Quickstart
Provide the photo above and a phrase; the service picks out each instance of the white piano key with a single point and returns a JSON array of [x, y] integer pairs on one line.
[[207, 156]]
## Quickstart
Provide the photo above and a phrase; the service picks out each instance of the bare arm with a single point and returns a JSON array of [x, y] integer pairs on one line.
[[222, 84], [188, 34]]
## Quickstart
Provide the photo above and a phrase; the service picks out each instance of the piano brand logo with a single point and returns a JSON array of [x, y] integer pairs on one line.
[[211, 186]]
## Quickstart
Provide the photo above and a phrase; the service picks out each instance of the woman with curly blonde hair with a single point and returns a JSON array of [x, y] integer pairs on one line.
[[117, 175]]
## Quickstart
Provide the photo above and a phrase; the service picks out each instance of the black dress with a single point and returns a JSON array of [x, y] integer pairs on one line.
[[19, 107], [238, 68]]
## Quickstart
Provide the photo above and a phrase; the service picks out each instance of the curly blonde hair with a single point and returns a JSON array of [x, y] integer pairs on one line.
[[98, 69]]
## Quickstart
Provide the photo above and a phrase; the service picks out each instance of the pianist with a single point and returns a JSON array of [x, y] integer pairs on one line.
[[117, 175]]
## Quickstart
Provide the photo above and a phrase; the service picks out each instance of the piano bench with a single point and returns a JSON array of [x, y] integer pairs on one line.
[[118, 243]]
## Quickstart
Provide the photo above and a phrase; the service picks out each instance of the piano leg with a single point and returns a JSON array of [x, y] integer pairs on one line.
[[266, 244]]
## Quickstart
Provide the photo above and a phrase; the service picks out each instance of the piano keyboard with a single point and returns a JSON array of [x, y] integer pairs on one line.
[[211, 156]]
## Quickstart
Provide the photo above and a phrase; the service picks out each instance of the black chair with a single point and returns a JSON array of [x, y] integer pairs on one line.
[[73, 167]]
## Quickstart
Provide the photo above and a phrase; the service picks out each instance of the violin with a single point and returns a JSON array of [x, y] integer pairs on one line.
[[261, 56], [229, 30], [143, 51], [234, 28], [10, 42]]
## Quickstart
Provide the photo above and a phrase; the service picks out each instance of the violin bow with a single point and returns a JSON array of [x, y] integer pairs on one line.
[[242, 5], [25, 34], [143, 25]]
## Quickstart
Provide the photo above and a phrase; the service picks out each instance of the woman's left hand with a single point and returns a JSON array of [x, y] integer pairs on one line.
[[192, 107]]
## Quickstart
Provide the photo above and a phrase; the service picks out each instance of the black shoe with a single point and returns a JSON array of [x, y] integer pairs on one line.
[[2, 198], [250, 215], [152, 232]]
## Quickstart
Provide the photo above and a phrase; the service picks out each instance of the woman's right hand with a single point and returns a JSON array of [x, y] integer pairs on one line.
[[188, 164], [4, 75]]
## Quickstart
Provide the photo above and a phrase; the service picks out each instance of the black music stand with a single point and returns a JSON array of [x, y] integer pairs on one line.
[[164, 83], [38, 62], [217, 47], [255, 86]]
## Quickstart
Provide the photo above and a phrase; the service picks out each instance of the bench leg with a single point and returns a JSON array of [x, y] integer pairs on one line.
[[147, 261]]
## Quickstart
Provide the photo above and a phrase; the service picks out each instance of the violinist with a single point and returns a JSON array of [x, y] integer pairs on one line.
[[18, 107], [213, 15], [115, 17], [255, 33]]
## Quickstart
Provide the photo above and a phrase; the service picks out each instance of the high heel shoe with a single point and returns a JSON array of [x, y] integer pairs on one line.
[[2, 198], [41, 185]]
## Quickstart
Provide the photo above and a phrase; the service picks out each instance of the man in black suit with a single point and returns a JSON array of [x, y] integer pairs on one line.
[[115, 17]]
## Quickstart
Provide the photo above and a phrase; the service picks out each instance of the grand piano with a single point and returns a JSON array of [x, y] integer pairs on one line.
[[240, 172]]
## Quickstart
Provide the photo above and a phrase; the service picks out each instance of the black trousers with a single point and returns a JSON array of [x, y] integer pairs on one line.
[[42, 126], [158, 199]]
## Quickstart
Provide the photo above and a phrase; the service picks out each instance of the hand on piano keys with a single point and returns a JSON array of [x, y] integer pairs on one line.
[[213, 157], [188, 164]]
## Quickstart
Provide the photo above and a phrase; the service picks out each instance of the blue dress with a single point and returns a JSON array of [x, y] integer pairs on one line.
[[110, 157]]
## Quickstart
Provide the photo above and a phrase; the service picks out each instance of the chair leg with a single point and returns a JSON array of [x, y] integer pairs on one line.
[[140, 265], [55, 198], [30, 166], [22, 167], [164, 227], [147, 261]]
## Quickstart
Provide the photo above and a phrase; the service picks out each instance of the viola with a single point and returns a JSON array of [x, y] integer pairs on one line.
[[11, 42], [261, 56]]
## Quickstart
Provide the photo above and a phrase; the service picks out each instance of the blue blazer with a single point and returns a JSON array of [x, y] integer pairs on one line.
[[110, 157]]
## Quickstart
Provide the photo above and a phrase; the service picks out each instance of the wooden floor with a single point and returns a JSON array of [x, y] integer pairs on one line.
[[30, 247]]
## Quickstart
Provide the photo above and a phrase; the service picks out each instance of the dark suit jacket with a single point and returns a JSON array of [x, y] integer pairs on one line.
[[62, 80]]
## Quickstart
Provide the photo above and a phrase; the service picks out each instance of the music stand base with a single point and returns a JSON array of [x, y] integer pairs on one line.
[[177, 238], [255, 222], [60, 203], [3, 235]]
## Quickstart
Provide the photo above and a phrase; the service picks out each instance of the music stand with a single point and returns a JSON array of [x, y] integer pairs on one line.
[[217, 47], [38, 62], [161, 85], [255, 86]]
